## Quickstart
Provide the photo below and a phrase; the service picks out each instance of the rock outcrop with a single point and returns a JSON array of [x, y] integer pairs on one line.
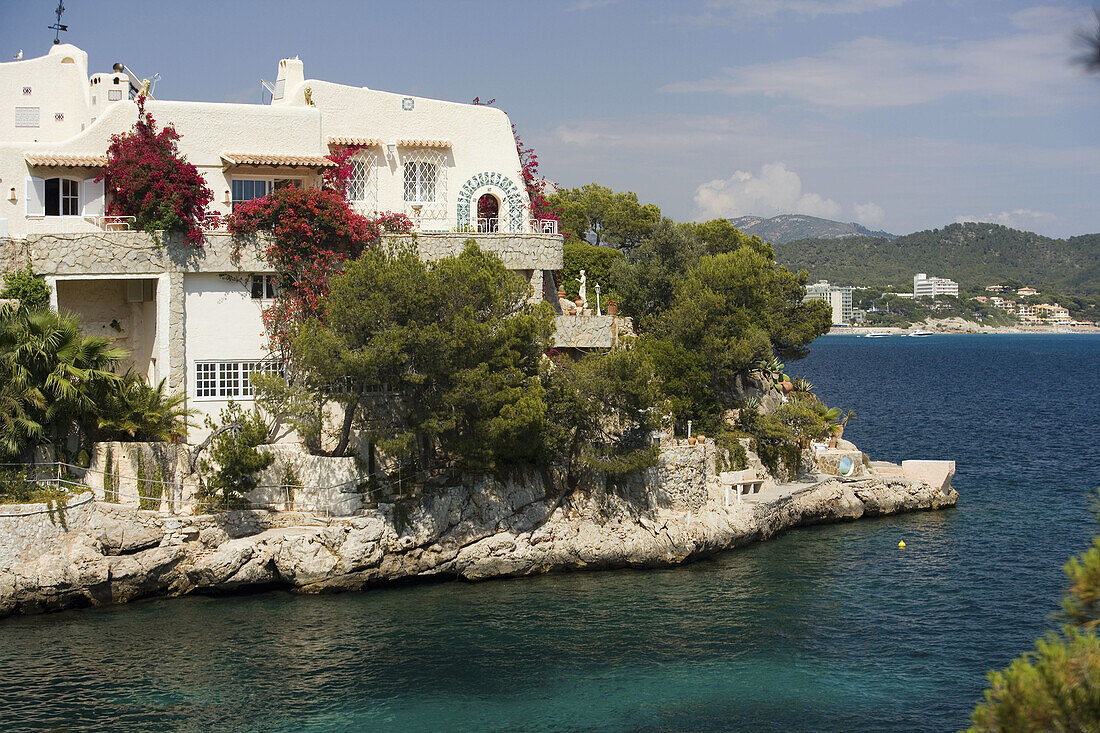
[[481, 528]]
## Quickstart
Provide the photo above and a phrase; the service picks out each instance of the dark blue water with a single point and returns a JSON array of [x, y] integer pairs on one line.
[[828, 628]]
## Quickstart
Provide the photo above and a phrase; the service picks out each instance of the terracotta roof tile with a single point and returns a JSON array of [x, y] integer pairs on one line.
[[418, 143], [309, 161], [368, 142], [67, 160]]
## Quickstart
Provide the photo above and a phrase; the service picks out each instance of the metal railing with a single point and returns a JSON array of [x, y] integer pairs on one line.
[[78, 224], [482, 225], [170, 499]]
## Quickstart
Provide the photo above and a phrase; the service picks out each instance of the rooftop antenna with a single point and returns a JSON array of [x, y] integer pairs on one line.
[[57, 27]]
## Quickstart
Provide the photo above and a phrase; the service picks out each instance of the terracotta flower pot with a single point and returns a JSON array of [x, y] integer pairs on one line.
[[700, 438], [612, 308], [691, 440], [787, 387]]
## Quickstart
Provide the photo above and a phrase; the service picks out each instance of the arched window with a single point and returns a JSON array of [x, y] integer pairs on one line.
[[62, 197]]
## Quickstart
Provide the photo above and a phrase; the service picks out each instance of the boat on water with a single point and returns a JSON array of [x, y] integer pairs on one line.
[[919, 333], [877, 334]]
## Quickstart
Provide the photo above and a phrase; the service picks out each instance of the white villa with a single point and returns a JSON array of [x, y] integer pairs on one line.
[[194, 318]]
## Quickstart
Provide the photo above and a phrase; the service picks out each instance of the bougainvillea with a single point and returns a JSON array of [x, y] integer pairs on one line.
[[532, 181], [338, 178], [149, 180], [313, 232]]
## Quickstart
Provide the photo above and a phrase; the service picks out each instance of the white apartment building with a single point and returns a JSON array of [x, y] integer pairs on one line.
[[195, 317], [839, 298], [931, 287]]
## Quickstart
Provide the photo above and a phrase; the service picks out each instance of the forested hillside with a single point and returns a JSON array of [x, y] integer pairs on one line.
[[789, 227], [972, 254]]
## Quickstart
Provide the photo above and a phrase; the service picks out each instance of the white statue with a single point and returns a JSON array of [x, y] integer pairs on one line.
[[582, 291]]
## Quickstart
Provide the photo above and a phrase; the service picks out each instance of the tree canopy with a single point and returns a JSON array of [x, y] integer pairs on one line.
[[596, 213], [456, 341]]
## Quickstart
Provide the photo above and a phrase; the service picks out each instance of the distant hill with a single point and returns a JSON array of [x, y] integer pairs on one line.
[[789, 227], [971, 254]]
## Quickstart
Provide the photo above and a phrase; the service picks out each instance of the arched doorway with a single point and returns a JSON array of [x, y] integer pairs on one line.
[[488, 213]]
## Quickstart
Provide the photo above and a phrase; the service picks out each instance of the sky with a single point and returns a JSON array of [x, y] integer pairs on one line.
[[902, 115]]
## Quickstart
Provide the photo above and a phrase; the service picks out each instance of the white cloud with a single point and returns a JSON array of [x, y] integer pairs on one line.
[[869, 214], [583, 5], [1027, 66], [1017, 218], [776, 190], [764, 9]]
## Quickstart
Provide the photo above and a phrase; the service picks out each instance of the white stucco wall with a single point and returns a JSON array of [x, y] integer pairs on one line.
[[56, 87], [482, 157], [104, 310], [222, 323]]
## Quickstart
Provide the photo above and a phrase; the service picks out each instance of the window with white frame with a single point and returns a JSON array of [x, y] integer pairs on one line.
[[263, 287], [420, 181], [229, 379], [363, 182], [62, 197], [246, 189]]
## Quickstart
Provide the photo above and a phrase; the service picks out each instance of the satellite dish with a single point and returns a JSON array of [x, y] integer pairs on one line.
[[846, 467]]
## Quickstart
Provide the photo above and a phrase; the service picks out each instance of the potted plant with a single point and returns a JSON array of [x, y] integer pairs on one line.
[[612, 308]]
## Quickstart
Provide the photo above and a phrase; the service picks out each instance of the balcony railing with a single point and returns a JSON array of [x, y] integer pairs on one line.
[[78, 224], [483, 225]]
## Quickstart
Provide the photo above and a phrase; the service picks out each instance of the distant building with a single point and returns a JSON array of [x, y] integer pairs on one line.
[[930, 287], [1027, 291], [1053, 314], [840, 298], [994, 288], [981, 299]]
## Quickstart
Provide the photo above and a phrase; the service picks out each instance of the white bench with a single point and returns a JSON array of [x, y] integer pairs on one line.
[[742, 482]]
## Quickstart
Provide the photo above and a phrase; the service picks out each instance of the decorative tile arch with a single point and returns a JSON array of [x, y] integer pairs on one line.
[[501, 186]]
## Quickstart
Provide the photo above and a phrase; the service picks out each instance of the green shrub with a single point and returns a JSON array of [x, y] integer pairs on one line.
[[235, 461], [29, 289]]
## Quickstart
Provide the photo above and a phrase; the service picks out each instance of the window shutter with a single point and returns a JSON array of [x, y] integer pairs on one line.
[[36, 196], [93, 197]]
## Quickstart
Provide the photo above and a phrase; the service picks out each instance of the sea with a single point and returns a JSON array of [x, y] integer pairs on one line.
[[827, 628]]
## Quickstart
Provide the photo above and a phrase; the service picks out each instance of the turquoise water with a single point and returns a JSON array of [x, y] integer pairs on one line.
[[826, 628]]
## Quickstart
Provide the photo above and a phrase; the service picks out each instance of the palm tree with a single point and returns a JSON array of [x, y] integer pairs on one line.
[[132, 409], [50, 372]]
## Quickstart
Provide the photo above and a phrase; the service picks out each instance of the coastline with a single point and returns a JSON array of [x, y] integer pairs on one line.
[[963, 327], [480, 529]]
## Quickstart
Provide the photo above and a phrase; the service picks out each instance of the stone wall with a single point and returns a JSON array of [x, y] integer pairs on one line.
[[590, 332], [334, 484], [679, 480], [25, 529], [157, 476], [518, 251]]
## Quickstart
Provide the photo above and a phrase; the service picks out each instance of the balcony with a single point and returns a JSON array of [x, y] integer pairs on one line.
[[493, 225], [78, 224]]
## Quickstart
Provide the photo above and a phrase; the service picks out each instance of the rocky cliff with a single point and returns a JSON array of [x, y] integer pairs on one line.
[[479, 528]]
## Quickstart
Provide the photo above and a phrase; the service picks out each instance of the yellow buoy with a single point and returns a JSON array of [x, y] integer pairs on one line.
[[902, 544]]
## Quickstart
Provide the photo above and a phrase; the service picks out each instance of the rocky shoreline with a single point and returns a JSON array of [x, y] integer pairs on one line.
[[476, 529]]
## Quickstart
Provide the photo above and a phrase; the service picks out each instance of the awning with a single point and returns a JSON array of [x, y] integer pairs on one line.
[[66, 160], [417, 143], [291, 161], [366, 142]]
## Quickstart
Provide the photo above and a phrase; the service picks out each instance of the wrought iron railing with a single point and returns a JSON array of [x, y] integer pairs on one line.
[[78, 224]]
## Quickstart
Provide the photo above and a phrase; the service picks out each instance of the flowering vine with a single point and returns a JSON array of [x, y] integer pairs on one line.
[[532, 181], [149, 180], [313, 232]]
